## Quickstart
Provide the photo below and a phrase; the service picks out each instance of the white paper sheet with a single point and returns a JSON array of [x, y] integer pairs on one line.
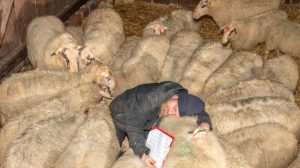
[[159, 144]]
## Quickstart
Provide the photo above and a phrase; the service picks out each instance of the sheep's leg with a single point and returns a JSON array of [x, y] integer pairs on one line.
[[277, 52], [266, 55]]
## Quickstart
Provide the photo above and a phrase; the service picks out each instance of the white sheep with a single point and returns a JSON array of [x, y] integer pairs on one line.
[[124, 53], [204, 62], [76, 33], [265, 145], [229, 117], [104, 34], [234, 158], [183, 44], [49, 47], [146, 61], [284, 36], [170, 24], [223, 11], [68, 103], [94, 145], [24, 90], [237, 68], [187, 152], [282, 69], [248, 32], [42, 142], [129, 160], [250, 89], [296, 162]]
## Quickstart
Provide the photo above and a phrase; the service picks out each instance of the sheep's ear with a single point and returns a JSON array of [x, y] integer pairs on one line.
[[209, 2], [59, 50], [80, 47], [165, 27], [150, 27], [61, 58]]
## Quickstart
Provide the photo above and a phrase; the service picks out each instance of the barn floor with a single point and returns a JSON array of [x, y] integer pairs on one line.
[[136, 16]]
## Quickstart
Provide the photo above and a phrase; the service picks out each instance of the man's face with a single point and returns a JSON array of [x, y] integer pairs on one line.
[[170, 107]]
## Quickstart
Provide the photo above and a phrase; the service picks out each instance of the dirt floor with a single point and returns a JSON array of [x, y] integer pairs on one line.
[[137, 15]]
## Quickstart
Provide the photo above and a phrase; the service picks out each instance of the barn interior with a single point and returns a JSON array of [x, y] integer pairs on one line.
[[15, 16]]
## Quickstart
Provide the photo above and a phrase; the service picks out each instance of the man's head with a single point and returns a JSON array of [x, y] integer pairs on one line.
[[181, 105]]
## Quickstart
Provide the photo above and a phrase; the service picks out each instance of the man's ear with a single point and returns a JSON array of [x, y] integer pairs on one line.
[[175, 97]]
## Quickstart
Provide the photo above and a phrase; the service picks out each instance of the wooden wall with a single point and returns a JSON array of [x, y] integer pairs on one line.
[[292, 1], [15, 15]]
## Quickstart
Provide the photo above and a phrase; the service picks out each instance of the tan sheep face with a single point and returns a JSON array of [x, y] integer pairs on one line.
[[66, 56], [157, 27], [85, 57], [105, 79], [229, 30], [201, 9]]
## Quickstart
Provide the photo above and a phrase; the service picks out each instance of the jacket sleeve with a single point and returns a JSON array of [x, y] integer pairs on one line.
[[137, 142], [203, 117]]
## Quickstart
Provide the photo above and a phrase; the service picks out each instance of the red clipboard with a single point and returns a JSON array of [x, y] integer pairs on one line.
[[161, 162], [171, 136]]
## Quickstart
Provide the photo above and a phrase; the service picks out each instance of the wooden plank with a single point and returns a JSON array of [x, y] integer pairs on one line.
[[11, 40], [296, 1], [18, 56], [5, 7]]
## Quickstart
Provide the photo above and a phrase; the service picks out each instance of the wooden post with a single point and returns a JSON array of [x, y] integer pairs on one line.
[[5, 8]]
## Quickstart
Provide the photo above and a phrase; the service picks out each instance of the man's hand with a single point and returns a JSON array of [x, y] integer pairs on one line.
[[148, 161], [201, 131]]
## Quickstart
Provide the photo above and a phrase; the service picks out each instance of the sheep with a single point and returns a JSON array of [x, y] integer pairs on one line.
[[248, 32], [205, 60], [183, 44], [146, 60], [265, 145], [234, 158], [124, 52], [76, 33], [201, 152], [76, 100], [250, 89], [104, 34], [25, 90], [296, 162], [282, 70], [170, 24], [237, 68], [49, 46], [95, 144], [186, 152], [129, 160], [284, 36], [226, 10], [245, 113], [42, 142]]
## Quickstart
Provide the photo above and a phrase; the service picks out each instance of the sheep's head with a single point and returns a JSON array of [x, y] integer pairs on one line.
[[85, 57], [102, 76], [229, 30], [201, 9], [157, 27], [67, 54]]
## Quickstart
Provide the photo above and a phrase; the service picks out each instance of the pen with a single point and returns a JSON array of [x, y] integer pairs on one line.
[[190, 132]]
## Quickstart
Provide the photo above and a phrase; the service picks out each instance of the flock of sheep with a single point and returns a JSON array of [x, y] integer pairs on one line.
[[57, 114]]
